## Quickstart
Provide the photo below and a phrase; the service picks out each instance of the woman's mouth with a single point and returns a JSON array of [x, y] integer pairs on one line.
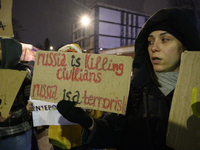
[[156, 60]]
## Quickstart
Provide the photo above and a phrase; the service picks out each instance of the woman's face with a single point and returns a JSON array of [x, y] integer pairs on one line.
[[164, 51]]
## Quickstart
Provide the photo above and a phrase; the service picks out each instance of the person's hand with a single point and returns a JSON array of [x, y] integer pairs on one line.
[[2, 119], [88, 111], [30, 106], [74, 114]]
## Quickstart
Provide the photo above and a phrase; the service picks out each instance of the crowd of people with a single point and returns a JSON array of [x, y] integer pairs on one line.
[[158, 48]]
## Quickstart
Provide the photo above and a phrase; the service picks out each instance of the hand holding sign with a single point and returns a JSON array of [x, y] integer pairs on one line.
[[74, 114], [2, 119]]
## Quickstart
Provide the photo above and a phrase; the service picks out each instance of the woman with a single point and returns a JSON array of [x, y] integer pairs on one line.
[[158, 49]]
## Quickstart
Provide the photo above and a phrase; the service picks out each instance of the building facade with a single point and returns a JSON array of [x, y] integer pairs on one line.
[[109, 27]]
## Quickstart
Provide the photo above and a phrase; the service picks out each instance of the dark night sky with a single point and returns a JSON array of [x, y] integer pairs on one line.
[[53, 19]]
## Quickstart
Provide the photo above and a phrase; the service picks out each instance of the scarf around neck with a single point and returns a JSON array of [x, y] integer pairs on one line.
[[167, 81]]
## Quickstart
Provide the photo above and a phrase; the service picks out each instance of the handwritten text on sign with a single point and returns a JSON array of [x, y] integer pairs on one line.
[[92, 80], [6, 30]]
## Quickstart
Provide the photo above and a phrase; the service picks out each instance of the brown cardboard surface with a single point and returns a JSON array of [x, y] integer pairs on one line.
[[184, 122], [11, 81], [6, 30], [94, 81]]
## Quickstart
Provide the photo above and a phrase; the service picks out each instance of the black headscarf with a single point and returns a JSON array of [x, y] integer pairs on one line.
[[184, 25], [11, 53]]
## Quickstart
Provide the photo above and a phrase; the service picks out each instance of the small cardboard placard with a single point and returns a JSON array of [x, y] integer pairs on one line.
[[94, 81], [6, 30], [184, 120], [11, 81]]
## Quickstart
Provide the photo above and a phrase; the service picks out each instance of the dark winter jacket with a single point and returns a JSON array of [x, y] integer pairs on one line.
[[19, 123], [144, 126]]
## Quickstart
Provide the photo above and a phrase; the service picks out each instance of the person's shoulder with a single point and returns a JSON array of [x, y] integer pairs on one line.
[[22, 66], [25, 67]]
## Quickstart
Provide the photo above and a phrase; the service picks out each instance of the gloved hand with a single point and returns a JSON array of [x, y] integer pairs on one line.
[[74, 114]]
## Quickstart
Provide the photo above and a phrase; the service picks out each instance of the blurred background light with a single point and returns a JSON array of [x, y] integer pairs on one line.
[[85, 20]]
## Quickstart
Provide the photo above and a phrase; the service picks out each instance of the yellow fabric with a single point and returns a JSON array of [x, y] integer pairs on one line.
[[71, 48], [96, 113], [65, 136], [68, 136]]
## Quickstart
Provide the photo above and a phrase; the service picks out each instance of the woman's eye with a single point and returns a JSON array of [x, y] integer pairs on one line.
[[165, 39], [150, 42]]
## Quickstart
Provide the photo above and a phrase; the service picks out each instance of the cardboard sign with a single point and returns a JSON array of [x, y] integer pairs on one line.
[[184, 119], [11, 81], [6, 30], [94, 81]]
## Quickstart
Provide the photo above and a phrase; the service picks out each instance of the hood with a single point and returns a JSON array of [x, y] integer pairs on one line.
[[11, 52], [185, 21], [71, 48]]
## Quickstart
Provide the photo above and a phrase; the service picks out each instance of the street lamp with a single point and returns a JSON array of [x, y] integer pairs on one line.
[[85, 20], [51, 48]]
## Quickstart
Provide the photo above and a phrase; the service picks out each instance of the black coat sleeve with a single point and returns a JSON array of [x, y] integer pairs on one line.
[[107, 132]]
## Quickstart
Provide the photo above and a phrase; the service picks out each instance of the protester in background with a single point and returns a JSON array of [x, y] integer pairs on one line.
[[16, 129], [158, 48], [65, 137]]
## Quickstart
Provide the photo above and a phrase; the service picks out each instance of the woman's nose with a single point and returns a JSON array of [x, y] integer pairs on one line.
[[155, 47]]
